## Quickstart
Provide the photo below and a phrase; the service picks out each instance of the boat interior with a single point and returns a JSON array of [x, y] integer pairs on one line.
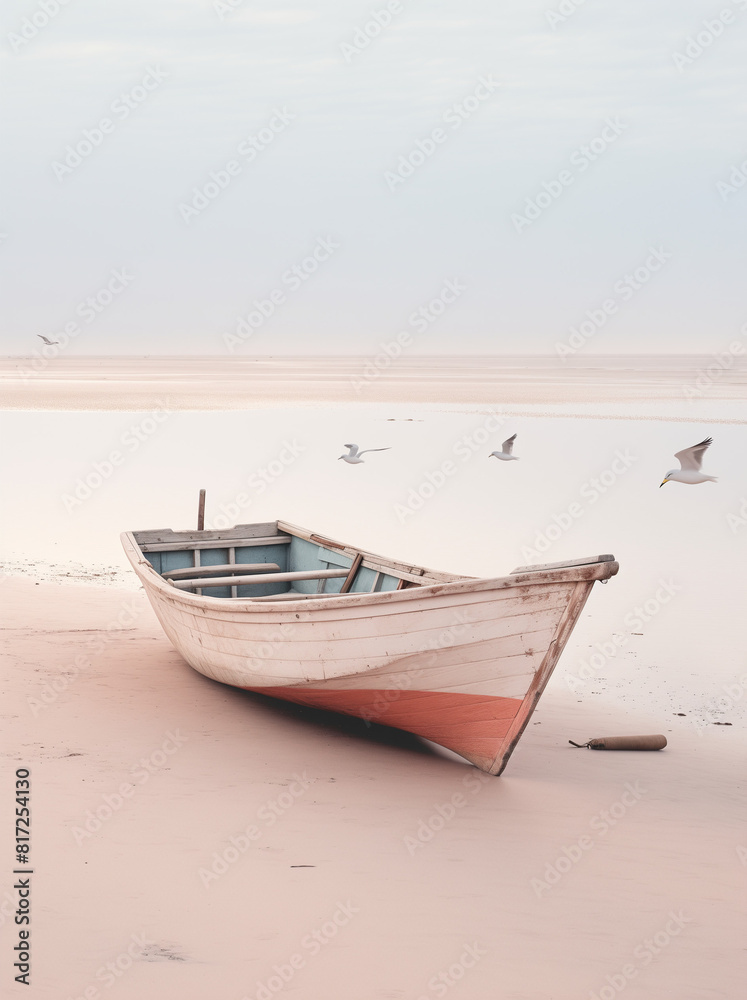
[[273, 561]]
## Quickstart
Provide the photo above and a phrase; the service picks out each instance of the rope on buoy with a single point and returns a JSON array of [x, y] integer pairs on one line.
[[657, 742]]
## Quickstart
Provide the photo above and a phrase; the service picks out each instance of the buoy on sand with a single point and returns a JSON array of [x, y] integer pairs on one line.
[[657, 742]]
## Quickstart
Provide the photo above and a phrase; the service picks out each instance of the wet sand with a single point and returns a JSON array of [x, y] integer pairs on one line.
[[377, 863], [224, 383]]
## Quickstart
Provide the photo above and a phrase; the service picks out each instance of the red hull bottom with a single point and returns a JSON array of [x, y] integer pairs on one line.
[[472, 725]]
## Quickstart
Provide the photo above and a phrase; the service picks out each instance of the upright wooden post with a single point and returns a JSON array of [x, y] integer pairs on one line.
[[201, 512]]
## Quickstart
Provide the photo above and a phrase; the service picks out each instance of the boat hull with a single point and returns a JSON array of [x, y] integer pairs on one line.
[[462, 664]]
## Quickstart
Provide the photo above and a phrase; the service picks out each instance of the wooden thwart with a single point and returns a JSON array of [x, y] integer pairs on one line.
[[189, 571], [295, 595], [244, 581]]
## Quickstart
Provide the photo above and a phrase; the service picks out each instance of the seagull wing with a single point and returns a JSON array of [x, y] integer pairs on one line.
[[508, 445], [692, 458], [366, 450], [353, 449], [44, 338]]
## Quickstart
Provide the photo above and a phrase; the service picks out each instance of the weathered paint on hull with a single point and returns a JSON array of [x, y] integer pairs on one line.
[[474, 726], [460, 662]]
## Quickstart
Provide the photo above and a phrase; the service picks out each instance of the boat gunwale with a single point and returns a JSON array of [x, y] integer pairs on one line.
[[491, 600]]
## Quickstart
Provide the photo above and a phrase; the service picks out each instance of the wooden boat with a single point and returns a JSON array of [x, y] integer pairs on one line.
[[279, 610]]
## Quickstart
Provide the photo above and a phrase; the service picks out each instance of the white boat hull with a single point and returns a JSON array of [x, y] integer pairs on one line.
[[461, 663]]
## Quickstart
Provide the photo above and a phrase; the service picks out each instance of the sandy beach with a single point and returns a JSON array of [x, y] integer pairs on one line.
[[51, 379], [495, 251], [192, 840], [378, 859]]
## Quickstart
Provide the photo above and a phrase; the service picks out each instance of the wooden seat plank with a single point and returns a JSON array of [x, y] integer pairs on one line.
[[259, 578], [189, 571]]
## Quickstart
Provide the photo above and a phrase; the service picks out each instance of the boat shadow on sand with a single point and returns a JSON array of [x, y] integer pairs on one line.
[[327, 722], [298, 617]]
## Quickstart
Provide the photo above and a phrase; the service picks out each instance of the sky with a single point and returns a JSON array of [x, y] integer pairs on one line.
[[266, 178]]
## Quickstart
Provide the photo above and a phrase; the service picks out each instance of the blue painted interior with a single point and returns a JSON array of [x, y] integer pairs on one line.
[[299, 555]]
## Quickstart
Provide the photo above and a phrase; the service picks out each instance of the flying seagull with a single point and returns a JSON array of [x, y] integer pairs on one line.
[[691, 460], [507, 454], [47, 340], [353, 457]]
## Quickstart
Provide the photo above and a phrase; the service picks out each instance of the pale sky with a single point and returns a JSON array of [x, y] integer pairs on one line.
[[625, 142]]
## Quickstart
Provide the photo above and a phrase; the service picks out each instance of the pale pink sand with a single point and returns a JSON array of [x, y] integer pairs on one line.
[[232, 382], [405, 914]]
